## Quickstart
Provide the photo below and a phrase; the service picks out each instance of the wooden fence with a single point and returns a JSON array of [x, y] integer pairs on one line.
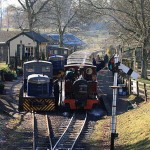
[[138, 68], [137, 88]]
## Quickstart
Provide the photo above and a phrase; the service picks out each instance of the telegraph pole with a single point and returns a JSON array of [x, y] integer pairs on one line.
[[113, 120]]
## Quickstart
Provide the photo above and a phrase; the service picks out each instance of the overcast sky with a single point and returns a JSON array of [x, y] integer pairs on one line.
[[5, 3]]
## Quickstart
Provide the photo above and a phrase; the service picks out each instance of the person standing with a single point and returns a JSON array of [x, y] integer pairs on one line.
[[98, 59], [94, 61], [106, 59], [56, 93]]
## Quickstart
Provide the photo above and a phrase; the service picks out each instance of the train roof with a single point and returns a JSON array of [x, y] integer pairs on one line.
[[79, 57], [34, 61], [80, 65], [56, 56]]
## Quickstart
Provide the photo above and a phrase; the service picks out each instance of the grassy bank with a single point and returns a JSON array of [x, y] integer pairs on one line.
[[144, 80], [133, 128]]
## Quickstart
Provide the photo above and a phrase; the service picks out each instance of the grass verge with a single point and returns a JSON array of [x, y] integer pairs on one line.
[[144, 80], [133, 128]]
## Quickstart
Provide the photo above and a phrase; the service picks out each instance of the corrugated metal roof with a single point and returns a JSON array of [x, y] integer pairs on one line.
[[68, 39]]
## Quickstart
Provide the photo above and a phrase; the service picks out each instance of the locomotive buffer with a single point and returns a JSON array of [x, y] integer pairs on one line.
[[114, 65]]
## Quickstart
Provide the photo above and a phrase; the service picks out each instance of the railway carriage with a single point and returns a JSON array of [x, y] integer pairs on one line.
[[37, 90]]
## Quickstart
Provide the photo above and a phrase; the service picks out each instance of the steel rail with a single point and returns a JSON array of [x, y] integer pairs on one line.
[[41, 133], [72, 133], [63, 133], [49, 133], [80, 131]]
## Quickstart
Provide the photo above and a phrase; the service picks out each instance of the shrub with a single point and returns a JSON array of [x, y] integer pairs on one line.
[[8, 74]]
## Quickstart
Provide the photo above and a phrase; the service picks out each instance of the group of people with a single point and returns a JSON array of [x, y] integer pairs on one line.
[[98, 59], [99, 62]]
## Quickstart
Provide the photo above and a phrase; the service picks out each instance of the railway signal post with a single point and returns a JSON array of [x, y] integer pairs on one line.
[[113, 120], [114, 65]]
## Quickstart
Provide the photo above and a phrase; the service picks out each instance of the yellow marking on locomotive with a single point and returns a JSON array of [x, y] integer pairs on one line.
[[47, 107]]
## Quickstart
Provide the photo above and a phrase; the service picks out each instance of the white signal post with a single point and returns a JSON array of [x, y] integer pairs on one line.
[[118, 66], [113, 121]]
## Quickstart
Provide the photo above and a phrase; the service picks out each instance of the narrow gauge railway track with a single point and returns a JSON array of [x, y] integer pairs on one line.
[[71, 134], [58, 126], [41, 132]]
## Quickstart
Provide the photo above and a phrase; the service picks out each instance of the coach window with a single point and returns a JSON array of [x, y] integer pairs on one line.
[[65, 52], [51, 52], [55, 51], [30, 68], [46, 69]]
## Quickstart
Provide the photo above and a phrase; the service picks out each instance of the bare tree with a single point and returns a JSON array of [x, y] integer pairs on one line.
[[15, 18], [32, 8], [133, 21], [60, 14]]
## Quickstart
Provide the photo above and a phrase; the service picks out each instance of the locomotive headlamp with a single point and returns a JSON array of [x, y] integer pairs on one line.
[[89, 71]]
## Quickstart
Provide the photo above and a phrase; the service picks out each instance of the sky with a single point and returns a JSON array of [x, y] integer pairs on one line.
[[5, 3]]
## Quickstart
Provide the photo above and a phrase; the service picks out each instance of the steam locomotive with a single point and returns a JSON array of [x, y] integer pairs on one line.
[[80, 86], [36, 93]]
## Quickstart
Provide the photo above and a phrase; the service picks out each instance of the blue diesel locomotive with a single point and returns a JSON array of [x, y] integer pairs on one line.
[[58, 62], [36, 93]]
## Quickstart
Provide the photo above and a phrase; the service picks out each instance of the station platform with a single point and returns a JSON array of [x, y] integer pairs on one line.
[[105, 92]]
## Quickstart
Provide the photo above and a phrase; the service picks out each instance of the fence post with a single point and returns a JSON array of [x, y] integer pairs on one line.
[[129, 86], [137, 88], [145, 92]]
